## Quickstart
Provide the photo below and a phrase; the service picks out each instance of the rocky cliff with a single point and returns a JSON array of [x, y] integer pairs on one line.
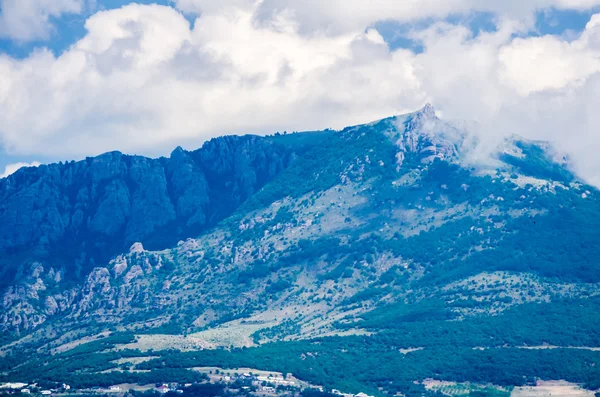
[[76, 215]]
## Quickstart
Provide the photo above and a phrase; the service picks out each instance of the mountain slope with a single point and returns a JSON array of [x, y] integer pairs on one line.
[[384, 234], [77, 215]]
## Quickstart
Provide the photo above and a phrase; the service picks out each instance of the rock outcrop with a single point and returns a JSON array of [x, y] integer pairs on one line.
[[77, 215], [425, 135]]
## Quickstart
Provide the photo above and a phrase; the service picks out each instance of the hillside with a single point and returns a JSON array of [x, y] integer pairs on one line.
[[59, 221], [366, 259]]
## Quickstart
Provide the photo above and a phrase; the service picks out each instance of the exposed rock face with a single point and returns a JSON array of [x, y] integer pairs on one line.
[[77, 215], [36, 297], [424, 134], [40, 295], [136, 248]]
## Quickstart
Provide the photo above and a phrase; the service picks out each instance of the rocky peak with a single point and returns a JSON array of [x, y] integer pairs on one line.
[[136, 248], [427, 110], [424, 134], [178, 152]]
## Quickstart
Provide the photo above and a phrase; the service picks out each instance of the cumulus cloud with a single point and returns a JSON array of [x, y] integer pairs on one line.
[[12, 168], [210, 6], [336, 16], [26, 20], [143, 80]]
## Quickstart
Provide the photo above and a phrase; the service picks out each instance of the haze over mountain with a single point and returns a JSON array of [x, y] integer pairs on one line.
[[326, 252]]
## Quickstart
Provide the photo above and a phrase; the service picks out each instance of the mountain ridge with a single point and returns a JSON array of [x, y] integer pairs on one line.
[[107, 197], [346, 247]]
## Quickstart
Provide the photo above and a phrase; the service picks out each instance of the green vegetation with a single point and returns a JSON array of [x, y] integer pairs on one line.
[[285, 328], [537, 163], [449, 351], [322, 165], [356, 364], [400, 241]]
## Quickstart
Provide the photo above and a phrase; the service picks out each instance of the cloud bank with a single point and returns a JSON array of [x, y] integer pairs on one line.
[[14, 167], [143, 80]]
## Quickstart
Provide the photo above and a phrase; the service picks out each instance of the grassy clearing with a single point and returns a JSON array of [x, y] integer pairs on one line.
[[158, 342], [552, 389], [464, 389]]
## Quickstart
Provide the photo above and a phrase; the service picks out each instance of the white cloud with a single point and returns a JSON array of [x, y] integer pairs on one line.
[[211, 6], [12, 168], [542, 63], [143, 81], [336, 16], [26, 20]]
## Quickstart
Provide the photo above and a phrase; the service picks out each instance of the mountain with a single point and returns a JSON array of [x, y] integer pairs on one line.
[[75, 215], [372, 258]]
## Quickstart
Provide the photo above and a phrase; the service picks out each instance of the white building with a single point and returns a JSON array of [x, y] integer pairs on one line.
[[10, 385]]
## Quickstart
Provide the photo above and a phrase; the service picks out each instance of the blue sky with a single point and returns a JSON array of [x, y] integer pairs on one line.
[[145, 80]]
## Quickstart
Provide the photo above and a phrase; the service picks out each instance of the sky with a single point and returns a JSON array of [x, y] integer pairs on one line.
[[82, 77]]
